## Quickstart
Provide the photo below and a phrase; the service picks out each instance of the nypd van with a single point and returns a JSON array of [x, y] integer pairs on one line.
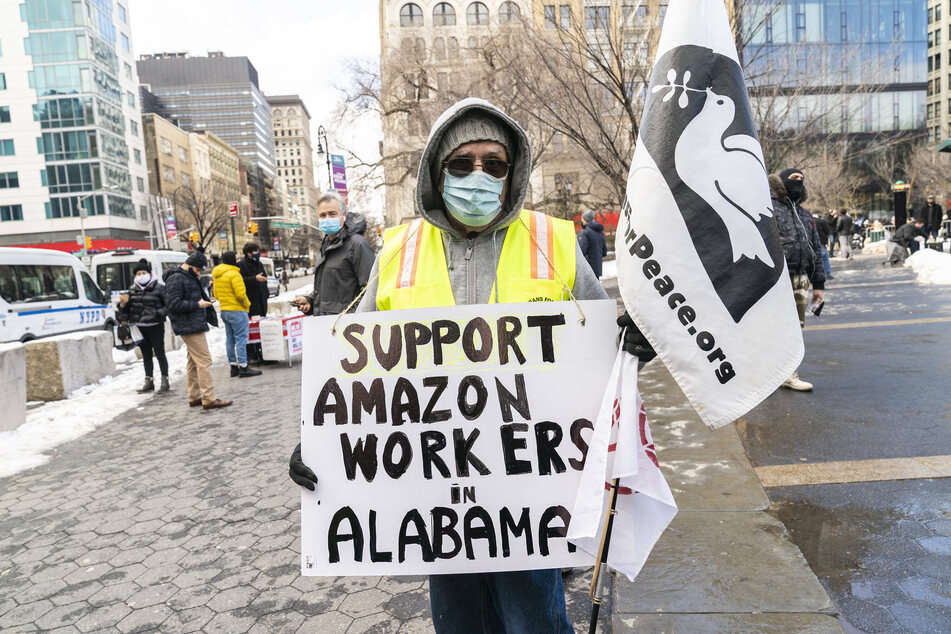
[[45, 293], [113, 270]]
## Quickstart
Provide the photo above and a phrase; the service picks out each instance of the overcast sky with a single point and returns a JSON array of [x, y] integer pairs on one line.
[[297, 46]]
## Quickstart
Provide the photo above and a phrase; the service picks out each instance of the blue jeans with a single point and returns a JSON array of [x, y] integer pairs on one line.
[[524, 601], [825, 260], [236, 336]]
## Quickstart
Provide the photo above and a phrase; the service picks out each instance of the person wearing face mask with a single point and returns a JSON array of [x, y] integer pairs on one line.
[[255, 279], [801, 245], [474, 244], [232, 296], [190, 311], [344, 261], [143, 306]]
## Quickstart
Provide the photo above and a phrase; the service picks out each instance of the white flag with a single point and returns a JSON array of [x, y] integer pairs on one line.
[[700, 265], [621, 447]]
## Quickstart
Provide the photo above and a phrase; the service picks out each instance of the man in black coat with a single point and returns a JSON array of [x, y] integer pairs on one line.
[[800, 240], [344, 262], [190, 311], [592, 243], [931, 217], [255, 279], [904, 236]]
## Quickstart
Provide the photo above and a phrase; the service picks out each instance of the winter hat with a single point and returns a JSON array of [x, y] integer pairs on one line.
[[475, 127], [197, 259], [588, 216], [229, 257], [143, 265], [789, 171]]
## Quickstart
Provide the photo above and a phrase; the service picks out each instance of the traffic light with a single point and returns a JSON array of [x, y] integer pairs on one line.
[[253, 228], [193, 237]]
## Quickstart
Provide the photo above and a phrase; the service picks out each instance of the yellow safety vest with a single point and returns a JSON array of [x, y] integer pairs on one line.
[[414, 272]]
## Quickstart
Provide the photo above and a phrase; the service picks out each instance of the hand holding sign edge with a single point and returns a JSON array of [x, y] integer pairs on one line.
[[300, 473]]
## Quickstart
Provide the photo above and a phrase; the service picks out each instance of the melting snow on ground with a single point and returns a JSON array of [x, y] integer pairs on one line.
[[931, 267], [56, 422]]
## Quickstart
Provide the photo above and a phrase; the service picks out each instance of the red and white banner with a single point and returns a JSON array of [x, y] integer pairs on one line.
[[621, 447]]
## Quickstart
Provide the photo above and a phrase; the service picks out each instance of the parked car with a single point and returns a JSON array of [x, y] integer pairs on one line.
[[113, 270], [45, 293]]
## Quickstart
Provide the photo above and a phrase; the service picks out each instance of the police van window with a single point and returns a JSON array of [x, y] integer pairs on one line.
[[168, 265], [115, 276], [92, 291], [46, 283], [9, 286]]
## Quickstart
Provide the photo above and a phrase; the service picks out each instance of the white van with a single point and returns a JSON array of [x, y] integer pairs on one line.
[[113, 270], [45, 293]]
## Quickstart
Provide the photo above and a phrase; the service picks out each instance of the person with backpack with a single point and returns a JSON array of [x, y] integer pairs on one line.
[[143, 306]]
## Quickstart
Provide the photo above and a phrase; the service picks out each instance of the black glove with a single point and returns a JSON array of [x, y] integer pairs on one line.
[[301, 473], [634, 340]]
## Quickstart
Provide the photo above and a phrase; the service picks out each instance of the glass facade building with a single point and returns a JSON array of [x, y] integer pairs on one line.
[[876, 49], [74, 119]]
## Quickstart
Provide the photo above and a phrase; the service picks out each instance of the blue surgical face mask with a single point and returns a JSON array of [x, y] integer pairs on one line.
[[472, 199], [256, 256], [330, 226]]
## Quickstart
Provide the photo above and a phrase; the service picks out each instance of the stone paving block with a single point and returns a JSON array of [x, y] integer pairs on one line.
[[232, 599], [152, 595], [54, 572], [277, 622], [365, 602], [188, 598], [147, 619], [36, 592], [416, 626], [104, 618], [380, 622], [157, 574], [190, 620], [331, 621], [116, 593], [275, 600], [730, 555], [717, 623], [409, 605], [120, 575], [87, 573], [231, 623], [712, 483], [61, 616], [77, 592]]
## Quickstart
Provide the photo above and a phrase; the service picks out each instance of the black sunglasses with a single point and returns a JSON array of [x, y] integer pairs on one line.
[[463, 166]]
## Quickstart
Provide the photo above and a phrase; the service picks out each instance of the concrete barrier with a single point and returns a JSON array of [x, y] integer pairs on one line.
[[13, 380], [57, 366]]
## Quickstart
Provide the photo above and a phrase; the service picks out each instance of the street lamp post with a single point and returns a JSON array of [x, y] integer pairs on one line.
[[321, 133]]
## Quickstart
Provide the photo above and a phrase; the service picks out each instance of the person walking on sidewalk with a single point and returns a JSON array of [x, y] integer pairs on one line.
[[143, 306], [591, 240], [188, 310], [343, 264], [843, 228], [233, 301], [800, 241], [822, 228]]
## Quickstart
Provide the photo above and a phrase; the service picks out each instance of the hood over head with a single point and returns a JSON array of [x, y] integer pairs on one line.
[[429, 202], [223, 268], [777, 190], [355, 223]]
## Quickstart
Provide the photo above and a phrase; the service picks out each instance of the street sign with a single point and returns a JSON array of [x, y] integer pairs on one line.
[[284, 224], [79, 240], [170, 228], [233, 209], [338, 172], [277, 243]]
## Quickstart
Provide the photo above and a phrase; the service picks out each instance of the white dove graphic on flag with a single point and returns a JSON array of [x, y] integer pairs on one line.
[[700, 266]]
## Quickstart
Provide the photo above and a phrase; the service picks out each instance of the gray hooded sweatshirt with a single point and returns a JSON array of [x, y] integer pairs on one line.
[[473, 262]]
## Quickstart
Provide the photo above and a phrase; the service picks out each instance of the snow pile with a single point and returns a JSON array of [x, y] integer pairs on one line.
[[287, 296], [56, 422], [932, 267], [609, 269], [875, 248]]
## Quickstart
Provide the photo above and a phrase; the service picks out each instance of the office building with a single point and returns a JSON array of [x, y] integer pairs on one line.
[[217, 94], [294, 153], [70, 126], [938, 112]]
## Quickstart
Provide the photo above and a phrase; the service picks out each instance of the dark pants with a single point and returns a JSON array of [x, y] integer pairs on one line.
[[153, 342], [527, 602]]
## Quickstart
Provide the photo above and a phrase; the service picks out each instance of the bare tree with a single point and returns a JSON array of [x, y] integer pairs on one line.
[[198, 209]]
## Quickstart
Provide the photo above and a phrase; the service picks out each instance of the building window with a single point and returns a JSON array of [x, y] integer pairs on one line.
[[477, 14], [597, 17], [937, 61], [3, 81], [565, 16], [140, 183], [122, 14], [9, 180], [10, 213], [411, 15], [550, 16], [4, 114], [165, 145], [168, 174], [509, 13], [125, 41], [182, 154], [444, 15], [186, 180], [130, 98], [801, 27], [6, 147], [453, 52], [439, 48], [137, 155], [134, 127], [128, 70]]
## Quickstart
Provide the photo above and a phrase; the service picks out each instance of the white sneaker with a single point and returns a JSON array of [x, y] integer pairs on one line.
[[795, 383]]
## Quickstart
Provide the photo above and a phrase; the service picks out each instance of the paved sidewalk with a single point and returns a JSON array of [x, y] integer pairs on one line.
[[177, 520]]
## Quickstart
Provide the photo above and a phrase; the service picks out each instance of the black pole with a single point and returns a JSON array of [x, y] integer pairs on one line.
[[234, 238], [596, 582]]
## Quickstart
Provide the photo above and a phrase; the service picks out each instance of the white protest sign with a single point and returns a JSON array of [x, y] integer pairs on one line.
[[449, 439]]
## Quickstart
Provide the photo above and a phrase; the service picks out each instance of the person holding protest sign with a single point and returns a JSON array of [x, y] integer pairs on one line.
[[802, 248], [475, 244]]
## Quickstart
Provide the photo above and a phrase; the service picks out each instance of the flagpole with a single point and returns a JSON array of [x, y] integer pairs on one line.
[[597, 581]]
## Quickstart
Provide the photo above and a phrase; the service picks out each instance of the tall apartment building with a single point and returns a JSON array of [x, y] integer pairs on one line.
[[215, 93], [939, 75], [70, 131], [294, 153]]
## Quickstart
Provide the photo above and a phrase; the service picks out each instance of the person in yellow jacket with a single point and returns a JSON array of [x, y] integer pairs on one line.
[[232, 296], [473, 243]]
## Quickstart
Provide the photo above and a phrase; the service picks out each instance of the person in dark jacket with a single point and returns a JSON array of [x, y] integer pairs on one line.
[[143, 306], [897, 245], [843, 228], [931, 217], [190, 311], [800, 241], [591, 240], [344, 262], [255, 279], [822, 228]]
